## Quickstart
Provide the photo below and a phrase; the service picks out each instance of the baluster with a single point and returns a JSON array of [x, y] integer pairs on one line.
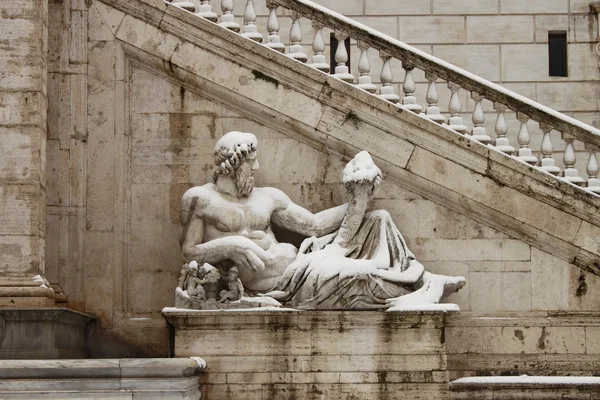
[[318, 59], [186, 5], [273, 40], [341, 58], [456, 122], [250, 30], [547, 163], [408, 87], [593, 183], [387, 90], [523, 138], [501, 130], [296, 51], [364, 68], [433, 111], [479, 133], [570, 173], [227, 18], [204, 10]]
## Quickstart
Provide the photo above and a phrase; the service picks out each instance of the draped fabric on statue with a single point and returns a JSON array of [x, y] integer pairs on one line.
[[374, 267]]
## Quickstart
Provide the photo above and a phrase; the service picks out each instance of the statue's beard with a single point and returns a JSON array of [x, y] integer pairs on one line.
[[244, 181]]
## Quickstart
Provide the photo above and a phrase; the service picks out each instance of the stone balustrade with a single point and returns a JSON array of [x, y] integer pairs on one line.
[[574, 134]]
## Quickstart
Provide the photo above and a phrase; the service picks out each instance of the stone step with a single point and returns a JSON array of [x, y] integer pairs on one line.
[[144, 378], [525, 387]]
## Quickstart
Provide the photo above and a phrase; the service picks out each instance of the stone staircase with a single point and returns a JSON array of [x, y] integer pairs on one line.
[[435, 70]]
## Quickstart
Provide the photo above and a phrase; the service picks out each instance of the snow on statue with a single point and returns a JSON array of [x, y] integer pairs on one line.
[[351, 258]]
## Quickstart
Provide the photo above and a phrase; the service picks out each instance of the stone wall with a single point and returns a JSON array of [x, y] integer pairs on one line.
[[116, 173], [513, 344]]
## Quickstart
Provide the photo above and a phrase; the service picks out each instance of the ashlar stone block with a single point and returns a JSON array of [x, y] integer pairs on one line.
[[534, 7], [500, 291], [569, 96], [499, 29], [482, 60], [375, 7], [465, 7], [549, 281], [435, 30], [548, 23]]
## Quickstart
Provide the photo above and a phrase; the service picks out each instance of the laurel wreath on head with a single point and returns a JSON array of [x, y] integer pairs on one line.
[[229, 159]]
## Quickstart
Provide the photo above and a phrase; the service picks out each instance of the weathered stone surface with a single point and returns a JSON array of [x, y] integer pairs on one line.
[[486, 64], [373, 7], [533, 7], [434, 30], [506, 387], [494, 29], [23, 125], [354, 353], [550, 343], [42, 334], [110, 378], [465, 7]]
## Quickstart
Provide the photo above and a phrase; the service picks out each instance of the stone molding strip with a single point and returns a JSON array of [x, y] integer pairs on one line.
[[99, 369]]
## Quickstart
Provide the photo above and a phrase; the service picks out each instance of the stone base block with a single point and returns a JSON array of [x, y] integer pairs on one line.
[[315, 354], [537, 343], [43, 333], [526, 388], [24, 293], [157, 378]]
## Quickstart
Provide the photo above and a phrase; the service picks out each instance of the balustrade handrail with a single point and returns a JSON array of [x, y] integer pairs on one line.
[[444, 70]]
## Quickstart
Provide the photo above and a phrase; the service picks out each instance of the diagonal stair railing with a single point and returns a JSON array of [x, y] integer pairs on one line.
[[573, 133]]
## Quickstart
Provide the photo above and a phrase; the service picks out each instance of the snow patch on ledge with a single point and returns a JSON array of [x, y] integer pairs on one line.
[[531, 380], [254, 309], [201, 363], [424, 307], [43, 282]]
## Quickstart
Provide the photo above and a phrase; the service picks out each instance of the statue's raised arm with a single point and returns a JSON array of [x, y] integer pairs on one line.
[[297, 219]]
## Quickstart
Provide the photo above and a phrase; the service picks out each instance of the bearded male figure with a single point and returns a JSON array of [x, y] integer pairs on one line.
[[351, 259]]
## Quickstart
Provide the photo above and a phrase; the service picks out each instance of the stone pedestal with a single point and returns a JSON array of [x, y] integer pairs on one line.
[[44, 333], [119, 379], [315, 354]]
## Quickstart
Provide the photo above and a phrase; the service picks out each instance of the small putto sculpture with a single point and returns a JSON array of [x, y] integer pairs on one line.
[[236, 289]]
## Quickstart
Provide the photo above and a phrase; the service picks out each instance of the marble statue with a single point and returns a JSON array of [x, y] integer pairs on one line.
[[351, 258], [234, 284], [196, 284]]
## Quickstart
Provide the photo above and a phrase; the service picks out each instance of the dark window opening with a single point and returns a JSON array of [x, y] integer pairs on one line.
[[333, 49], [557, 53]]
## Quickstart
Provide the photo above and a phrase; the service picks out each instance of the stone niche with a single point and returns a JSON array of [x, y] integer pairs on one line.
[[289, 354]]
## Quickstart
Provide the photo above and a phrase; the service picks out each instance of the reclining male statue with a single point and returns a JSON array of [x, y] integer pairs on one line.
[[350, 259]]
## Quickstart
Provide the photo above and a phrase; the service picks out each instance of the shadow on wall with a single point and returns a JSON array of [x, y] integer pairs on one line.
[[120, 343]]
